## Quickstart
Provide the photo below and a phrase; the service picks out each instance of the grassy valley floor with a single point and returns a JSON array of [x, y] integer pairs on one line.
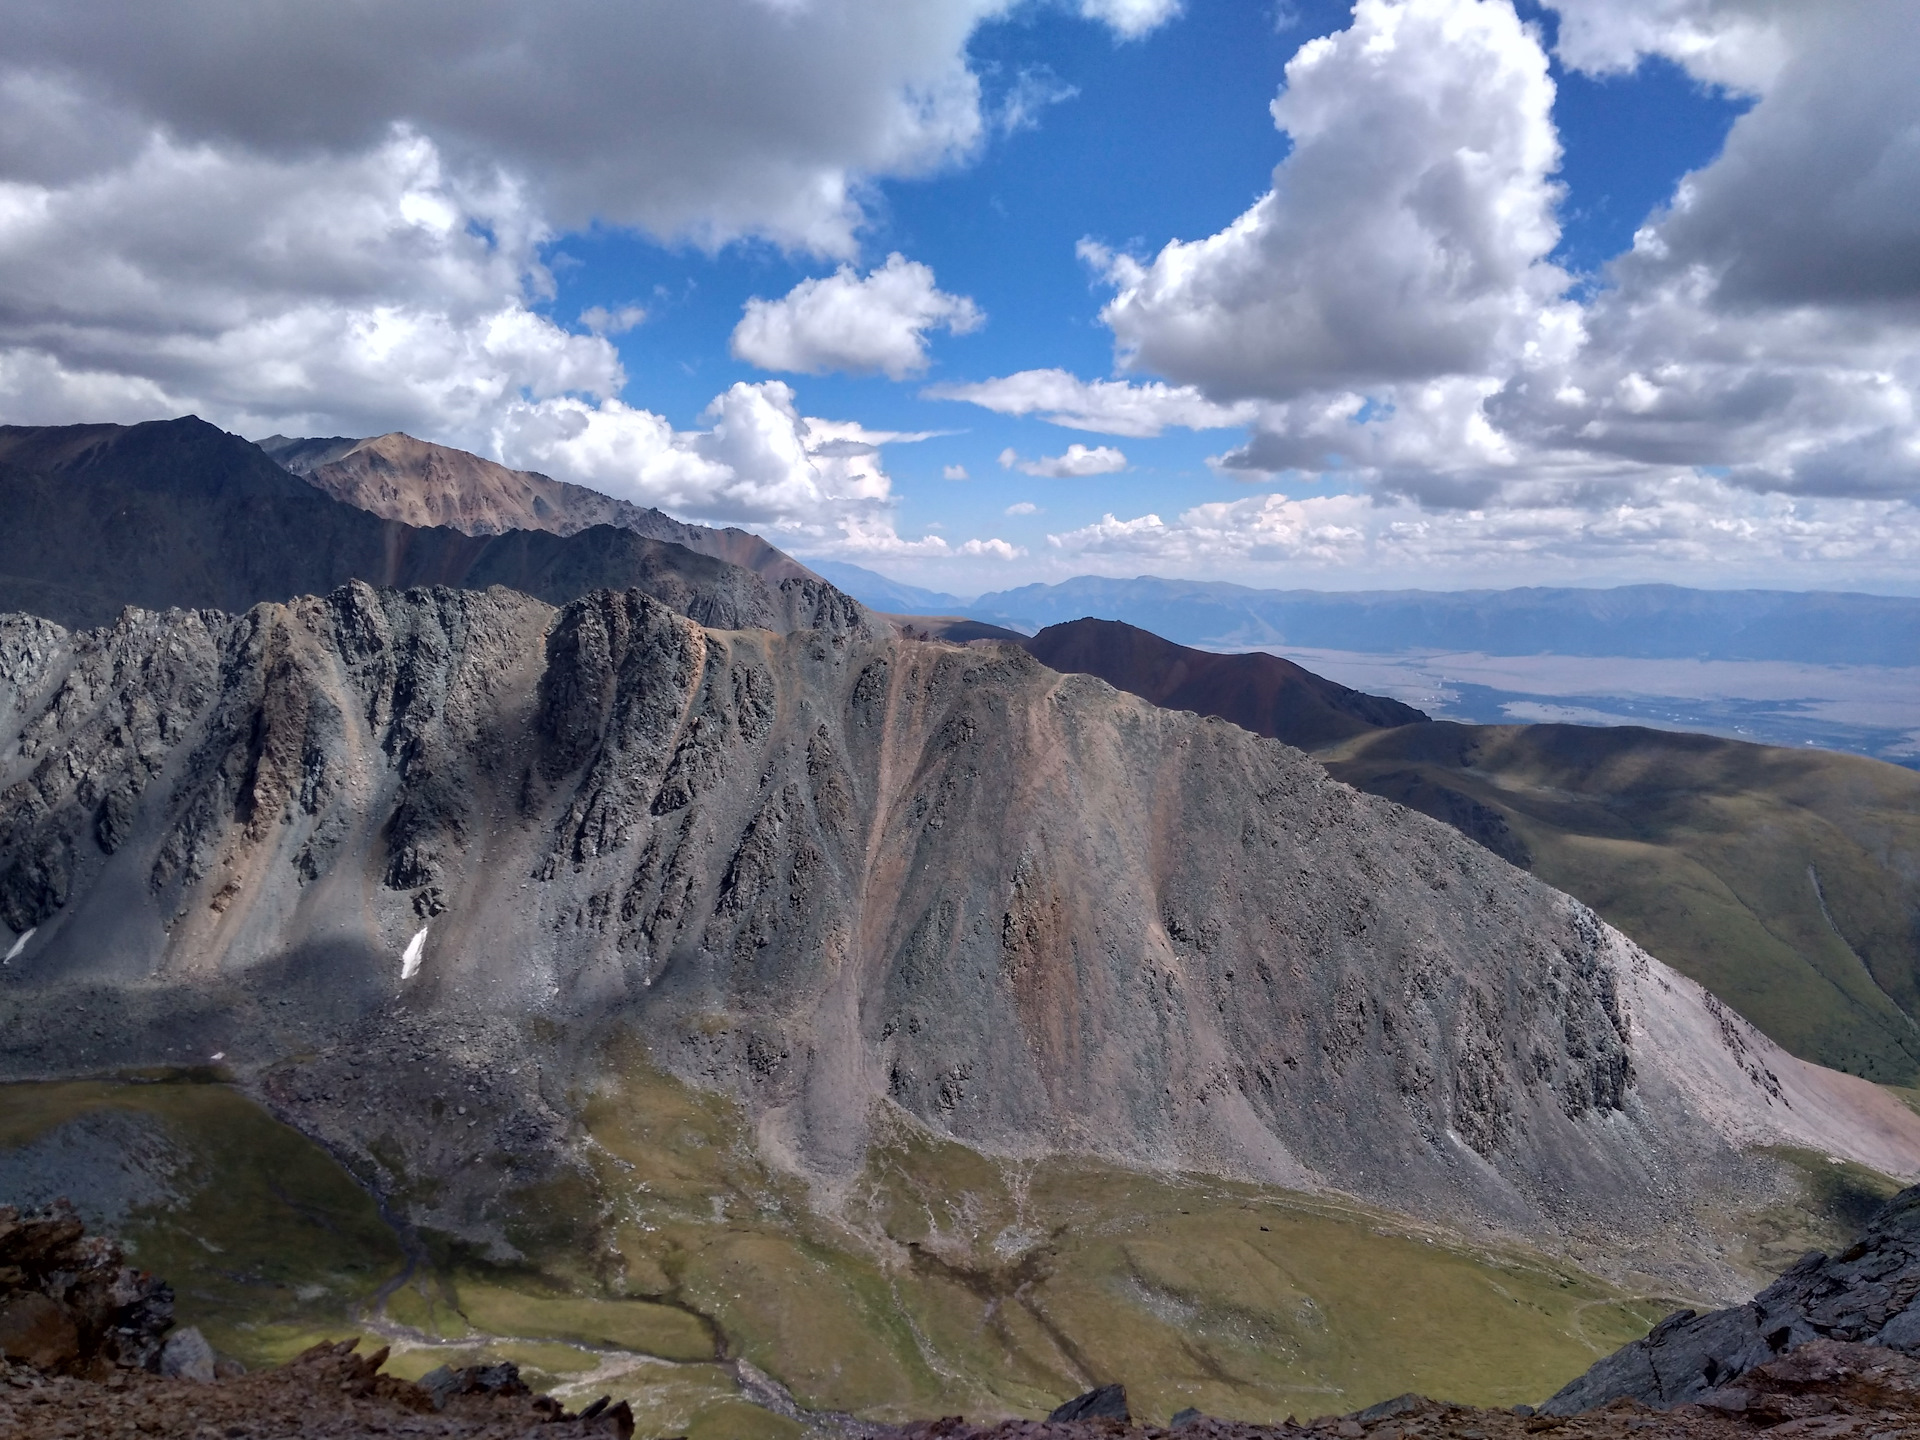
[[682, 1273]]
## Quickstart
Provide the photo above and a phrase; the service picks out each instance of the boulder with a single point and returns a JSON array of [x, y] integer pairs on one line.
[[1869, 1293], [107, 1311], [1108, 1402], [501, 1378], [38, 1331], [188, 1356]]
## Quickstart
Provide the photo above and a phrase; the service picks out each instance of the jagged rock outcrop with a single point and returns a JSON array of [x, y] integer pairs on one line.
[[179, 513], [1829, 1388], [69, 1303], [423, 484], [827, 871], [1868, 1294]]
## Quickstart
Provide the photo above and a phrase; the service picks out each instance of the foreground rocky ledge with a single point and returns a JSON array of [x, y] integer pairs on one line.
[[327, 1391], [1824, 1388]]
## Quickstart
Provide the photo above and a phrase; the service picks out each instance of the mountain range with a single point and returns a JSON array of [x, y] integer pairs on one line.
[[826, 873], [424, 485], [1647, 621], [180, 514], [697, 967]]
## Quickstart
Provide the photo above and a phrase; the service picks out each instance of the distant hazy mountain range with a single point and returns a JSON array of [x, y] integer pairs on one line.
[[1643, 621], [893, 596]]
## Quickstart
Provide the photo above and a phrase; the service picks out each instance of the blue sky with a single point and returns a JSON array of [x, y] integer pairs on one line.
[[1164, 137], [1427, 347]]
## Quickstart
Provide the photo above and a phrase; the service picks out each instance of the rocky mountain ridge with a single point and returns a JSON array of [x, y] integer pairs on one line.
[[179, 513], [824, 872], [423, 484]]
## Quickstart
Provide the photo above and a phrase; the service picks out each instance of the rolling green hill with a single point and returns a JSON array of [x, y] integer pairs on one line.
[[1786, 881]]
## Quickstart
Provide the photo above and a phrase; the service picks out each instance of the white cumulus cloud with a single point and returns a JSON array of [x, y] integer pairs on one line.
[[351, 295], [1739, 393], [1706, 527], [1110, 407], [875, 324], [1766, 320], [1405, 236], [691, 121], [602, 321], [1131, 19], [1078, 461], [282, 222]]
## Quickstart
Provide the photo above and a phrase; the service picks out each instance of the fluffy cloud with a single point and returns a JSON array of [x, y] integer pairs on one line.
[[1405, 236], [1740, 391], [602, 321], [700, 121], [1767, 320], [1706, 526], [758, 461], [282, 222], [351, 294], [1111, 407], [843, 322], [1736, 43], [811, 483], [1131, 19], [731, 116], [1077, 462]]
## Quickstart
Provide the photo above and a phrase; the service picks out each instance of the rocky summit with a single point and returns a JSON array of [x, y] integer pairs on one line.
[[423, 484], [1869, 1294], [339, 842]]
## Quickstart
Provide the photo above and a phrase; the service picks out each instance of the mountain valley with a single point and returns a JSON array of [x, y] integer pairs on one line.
[[661, 971]]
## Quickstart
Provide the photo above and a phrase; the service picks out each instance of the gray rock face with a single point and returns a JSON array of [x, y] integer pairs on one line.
[[1870, 1293], [447, 832]]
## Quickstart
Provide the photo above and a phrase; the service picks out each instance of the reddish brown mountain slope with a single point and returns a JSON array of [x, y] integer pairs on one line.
[[1258, 692], [419, 483]]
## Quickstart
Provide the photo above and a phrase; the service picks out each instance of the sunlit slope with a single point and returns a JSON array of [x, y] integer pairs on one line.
[[1786, 881]]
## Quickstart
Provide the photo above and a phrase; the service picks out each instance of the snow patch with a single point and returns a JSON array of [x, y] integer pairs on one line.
[[410, 957], [18, 946]]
